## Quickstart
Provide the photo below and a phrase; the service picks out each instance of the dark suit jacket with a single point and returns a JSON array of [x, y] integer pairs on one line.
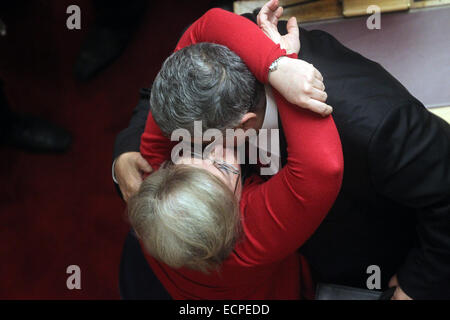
[[393, 210]]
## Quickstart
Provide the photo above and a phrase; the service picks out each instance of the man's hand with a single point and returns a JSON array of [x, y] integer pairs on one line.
[[298, 81], [268, 20], [399, 294], [129, 170]]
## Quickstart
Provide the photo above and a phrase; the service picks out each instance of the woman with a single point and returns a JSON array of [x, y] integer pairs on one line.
[[251, 251]]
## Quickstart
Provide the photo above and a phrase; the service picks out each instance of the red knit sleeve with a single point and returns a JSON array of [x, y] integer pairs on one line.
[[240, 35], [279, 215], [155, 147]]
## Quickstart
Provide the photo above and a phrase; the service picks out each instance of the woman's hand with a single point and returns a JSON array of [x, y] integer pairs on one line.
[[297, 80], [301, 84], [268, 20]]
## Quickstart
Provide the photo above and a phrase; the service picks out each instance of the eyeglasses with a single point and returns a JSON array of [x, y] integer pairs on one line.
[[221, 166]]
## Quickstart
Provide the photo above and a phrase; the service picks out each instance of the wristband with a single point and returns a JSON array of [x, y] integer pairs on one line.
[[274, 65]]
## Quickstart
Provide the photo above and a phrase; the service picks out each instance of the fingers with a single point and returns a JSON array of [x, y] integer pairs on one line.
[[272, 5], [258, 18], [131, 188], [318, 75], [297, 81], [292, 27], [267, 12], [128, 170], [318, 107], [273, 18], [318, 95], [143, 165], [263, 13], [316, 83], [132, 184]]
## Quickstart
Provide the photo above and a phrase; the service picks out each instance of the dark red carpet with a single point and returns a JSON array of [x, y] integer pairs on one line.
[[59, 210]]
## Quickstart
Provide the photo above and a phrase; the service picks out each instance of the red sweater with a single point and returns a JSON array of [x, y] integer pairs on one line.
[[278, 215]]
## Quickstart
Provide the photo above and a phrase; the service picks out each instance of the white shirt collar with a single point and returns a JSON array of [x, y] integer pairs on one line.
[[270, 123], [271, 116]]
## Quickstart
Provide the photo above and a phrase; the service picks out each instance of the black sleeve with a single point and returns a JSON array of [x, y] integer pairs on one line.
[[409, 157], [129, 139]]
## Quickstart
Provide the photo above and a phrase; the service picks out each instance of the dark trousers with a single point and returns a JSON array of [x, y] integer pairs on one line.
[[136, 279]]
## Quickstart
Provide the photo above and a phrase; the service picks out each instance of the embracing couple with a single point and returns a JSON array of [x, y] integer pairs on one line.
[[363, 184]]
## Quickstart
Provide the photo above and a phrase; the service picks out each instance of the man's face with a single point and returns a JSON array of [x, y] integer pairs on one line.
[[249, 126], [208, 162]]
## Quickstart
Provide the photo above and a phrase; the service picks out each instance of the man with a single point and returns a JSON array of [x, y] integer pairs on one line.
[[393, 210]]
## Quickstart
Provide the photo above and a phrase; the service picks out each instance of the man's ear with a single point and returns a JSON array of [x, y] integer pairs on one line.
[[249, 121]]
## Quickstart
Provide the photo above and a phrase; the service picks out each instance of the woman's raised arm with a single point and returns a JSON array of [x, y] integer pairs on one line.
[[238, 34], [281, 214]]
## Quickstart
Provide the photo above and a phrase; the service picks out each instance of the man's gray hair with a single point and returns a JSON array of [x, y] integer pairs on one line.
[[204, 82]]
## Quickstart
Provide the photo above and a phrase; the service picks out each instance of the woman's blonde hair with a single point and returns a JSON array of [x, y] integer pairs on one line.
[[186, 217]]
